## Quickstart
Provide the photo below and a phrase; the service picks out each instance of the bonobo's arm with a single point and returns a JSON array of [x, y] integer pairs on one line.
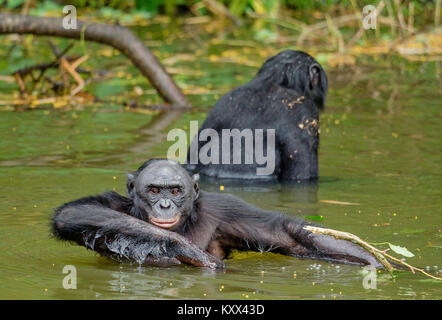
[[96, 223], [245, 227]]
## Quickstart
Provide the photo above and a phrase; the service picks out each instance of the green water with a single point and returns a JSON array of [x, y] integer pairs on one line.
[[380, 150]]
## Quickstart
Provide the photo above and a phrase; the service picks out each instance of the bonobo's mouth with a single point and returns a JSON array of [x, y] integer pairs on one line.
[[165, 223]]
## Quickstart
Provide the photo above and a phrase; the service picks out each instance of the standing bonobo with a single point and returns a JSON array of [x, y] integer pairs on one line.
[[285, 96], [167, 220]]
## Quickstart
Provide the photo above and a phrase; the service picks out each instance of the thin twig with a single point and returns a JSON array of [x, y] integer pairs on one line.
[[400, 16], [355, 239], [410, 16], [381, 255], [391, 17], [437, 13], [291, 24], [335, 31], [338, 22]]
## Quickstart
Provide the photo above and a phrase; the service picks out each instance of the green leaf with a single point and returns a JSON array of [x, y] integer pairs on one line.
[[401, 250], [14, 3], [238, 7], [264, 35], [149, 6], [317, 218]]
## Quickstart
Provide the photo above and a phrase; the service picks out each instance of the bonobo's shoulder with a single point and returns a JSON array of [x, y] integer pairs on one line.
[[114, 196], [208, 196], [229, 206], [109, 199], [212, 200]]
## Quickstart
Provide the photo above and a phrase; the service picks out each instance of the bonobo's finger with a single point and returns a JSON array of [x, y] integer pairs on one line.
[[189, 253], [161, 261], [205, 261], [343, 251]]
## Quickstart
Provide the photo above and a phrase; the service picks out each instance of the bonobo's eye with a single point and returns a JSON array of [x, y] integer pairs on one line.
[[175, 191], [154, 190]]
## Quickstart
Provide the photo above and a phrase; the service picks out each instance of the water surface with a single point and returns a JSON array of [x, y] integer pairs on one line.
[[380, 150]]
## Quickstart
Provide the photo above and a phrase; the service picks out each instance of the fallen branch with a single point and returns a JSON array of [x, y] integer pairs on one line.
[[381, 255], [134, 105], [43, 66], [343, 203], [116, 36], [220, 10], [56, 51], [71, 70]]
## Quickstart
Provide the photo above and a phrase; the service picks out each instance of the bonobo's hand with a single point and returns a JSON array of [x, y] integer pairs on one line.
[[179, 250], [205, 260], [343, 250]]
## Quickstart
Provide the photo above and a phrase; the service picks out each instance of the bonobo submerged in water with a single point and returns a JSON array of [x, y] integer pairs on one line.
[[167, 220], [283, 100]]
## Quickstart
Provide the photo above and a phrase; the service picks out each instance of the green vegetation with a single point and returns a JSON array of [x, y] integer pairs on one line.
[[379, 152], [270, 20], [240, 8]]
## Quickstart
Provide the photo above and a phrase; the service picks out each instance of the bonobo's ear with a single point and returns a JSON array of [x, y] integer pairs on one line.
[[130, 184], [195, 179], [314, 73]]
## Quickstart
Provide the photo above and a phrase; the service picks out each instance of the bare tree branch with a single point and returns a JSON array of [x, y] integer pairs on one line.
[[116, 36]]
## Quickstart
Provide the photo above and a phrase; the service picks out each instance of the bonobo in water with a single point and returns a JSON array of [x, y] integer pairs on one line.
[[166, 220], [285, 96]]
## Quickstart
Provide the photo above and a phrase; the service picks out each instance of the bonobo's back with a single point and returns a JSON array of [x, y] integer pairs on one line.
[[285, 96]]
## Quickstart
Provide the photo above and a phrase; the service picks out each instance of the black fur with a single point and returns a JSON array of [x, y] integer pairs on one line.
[[219, 223], [286, 95]]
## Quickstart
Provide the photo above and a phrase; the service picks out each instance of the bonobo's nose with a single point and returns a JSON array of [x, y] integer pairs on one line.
[[164, 204]]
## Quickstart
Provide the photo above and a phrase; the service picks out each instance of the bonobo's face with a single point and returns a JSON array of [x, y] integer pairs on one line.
[[166, 193]]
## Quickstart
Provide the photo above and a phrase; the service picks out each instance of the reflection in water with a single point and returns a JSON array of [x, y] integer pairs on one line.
[[156, 282], [299, 192], [123, 281], [291, 197], [150, 135]]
